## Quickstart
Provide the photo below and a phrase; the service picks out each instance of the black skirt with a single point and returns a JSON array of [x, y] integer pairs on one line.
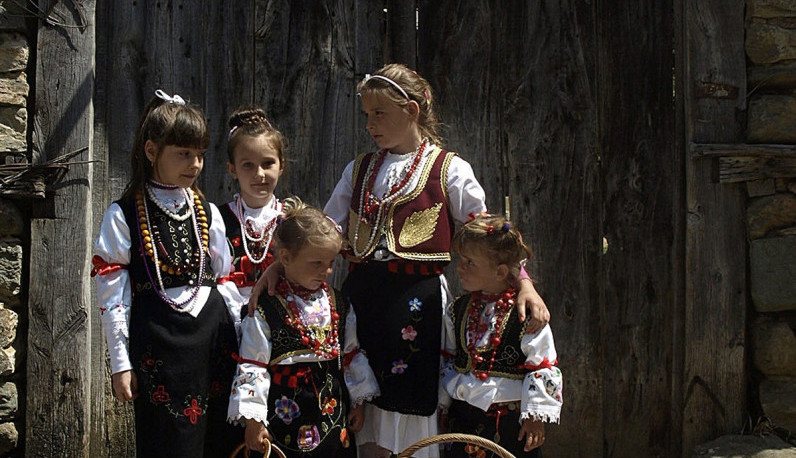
[[502, 429], [184, 372]]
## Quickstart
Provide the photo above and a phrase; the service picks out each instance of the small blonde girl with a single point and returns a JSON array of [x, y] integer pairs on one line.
[[301, 379], [503, 380], [169, 331]]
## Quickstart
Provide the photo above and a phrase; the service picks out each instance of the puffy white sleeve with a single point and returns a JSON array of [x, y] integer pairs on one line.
[[338, 205], [250, 386], [541, 394], [221, 261], [357, 373], [112, 247], [465, 194]]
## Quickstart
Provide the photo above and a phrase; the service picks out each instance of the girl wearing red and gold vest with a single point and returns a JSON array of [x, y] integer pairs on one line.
[[256, 161], [504, 381], [398, 207]]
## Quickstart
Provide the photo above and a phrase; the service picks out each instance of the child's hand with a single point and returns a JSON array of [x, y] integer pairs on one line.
[[356, 418], [255, 434], [533, 433], [442, 419], [125, 385], [529, 299], [268, 280]]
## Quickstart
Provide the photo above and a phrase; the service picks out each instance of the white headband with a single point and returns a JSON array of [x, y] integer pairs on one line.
[[369, 76], [166, 98]]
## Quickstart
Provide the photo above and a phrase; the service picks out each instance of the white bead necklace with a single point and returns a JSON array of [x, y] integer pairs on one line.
[[175, 216], [268, 230]]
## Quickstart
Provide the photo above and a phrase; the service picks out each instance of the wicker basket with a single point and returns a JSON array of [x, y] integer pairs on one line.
[[268, 449], [453, 437]]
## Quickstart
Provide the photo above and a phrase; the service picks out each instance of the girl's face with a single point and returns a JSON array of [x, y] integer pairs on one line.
[[257, 168], [391, 126], [175, 165], [311, 266], [478, 272]]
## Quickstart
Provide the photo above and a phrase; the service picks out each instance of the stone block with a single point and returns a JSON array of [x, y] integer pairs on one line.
[[13, 129], [771, 118], [737, 446], [768, 9], [774, 347], [8, 326], [14, 89], [8, 401], [768, 43], [773, 268], [10, 272], [14, 52], [8, 438], [12, 224], [778, 400], [770, 213], [12, 19], [759, 188], [8, 359]]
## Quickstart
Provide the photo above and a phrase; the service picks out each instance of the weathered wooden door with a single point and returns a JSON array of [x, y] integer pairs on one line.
[[574, 109]]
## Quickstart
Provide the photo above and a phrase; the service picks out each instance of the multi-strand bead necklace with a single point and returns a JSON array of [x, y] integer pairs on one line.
[[323, 340], [254, 235], [373, 209], [149, 236], [476, 330]]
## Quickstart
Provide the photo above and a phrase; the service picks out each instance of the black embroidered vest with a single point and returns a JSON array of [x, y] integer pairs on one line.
[[509, 358], [177, 239], [285, 339]]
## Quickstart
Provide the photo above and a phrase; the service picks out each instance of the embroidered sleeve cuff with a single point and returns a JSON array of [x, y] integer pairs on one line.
[[547, 414], [360, 381]]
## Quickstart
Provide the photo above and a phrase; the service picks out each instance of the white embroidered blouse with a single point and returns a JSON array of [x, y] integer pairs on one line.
[[113, 289], [252, 382], [539, 392]]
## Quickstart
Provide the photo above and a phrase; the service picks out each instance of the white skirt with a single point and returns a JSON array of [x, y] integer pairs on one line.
[[396, 432]]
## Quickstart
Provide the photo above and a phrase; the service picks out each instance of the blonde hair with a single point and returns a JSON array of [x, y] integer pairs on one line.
[[251, 121], [165, 123], [416, 88], [497, 236], [303, 225]]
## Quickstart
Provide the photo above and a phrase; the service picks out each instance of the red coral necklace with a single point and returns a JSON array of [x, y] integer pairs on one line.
[[323, 340], [476, 330]]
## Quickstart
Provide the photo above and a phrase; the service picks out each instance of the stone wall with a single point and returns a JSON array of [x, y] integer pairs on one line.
[[771, 210], [14, 230]]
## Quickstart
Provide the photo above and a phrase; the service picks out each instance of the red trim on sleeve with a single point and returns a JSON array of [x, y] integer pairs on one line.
[[101, 267]]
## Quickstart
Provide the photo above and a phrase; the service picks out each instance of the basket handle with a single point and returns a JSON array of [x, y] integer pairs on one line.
[[455, 437], [269, 447]]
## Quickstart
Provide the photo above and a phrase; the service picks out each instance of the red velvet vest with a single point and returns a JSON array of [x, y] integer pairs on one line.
[[417, 226]]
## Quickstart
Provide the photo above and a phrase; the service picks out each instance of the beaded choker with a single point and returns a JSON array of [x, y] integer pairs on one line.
[[323, 340], [477, 329], [149, 235], [371, 208], [253, 235]]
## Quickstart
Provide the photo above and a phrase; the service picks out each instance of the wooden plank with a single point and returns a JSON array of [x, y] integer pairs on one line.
[[713, 383], [740, 169], [641, 194], [58, 359], [402, 32], [519, 107], [699, 151], [304, 78]]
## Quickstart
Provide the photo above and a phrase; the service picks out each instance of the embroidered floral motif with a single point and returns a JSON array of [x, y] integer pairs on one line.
[[409, 333], [216, 389], [147, 362], [415, 305], [236, 241], [308, 437], [287, 410], [399, 366], [193, 411], [160, 395], [474, 451], [328, 406]]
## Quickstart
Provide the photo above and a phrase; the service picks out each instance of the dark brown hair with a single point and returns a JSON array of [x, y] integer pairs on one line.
[[415, 86], [251, 121], [165, 123]]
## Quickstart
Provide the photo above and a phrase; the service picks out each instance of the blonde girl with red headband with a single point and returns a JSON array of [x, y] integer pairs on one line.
[[503, 380], [159, 252]]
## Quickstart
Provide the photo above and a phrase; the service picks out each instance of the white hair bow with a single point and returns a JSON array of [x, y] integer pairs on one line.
[[169, 99]]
